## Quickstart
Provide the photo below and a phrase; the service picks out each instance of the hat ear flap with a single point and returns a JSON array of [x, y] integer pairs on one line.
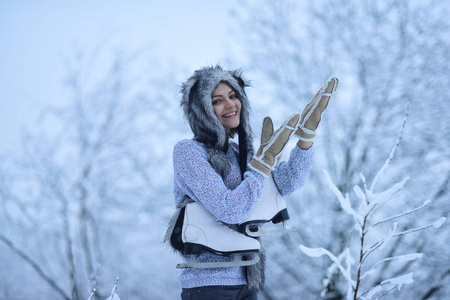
[[188, 92], [199, 116]]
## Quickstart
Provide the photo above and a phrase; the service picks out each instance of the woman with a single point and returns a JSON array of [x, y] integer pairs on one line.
[[225, 179]]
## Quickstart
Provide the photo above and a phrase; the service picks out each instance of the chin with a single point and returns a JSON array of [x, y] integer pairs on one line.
[[233, 126]]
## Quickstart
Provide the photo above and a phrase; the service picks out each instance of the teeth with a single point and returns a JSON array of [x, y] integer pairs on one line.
[[230, 115]]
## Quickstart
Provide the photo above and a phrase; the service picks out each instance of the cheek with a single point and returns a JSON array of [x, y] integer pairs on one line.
[[239, 106], [216, 111]]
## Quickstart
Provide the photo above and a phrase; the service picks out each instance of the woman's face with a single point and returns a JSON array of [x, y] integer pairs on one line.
[[226, 105]]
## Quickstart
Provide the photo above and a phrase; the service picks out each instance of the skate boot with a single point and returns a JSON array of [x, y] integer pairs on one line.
[[269, 207], [197, 230]]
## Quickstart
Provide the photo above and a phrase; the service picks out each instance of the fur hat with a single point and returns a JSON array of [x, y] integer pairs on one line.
[[197, 106]]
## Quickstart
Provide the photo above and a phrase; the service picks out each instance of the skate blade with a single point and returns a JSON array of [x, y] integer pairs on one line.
[[260, 232], [237, 262]]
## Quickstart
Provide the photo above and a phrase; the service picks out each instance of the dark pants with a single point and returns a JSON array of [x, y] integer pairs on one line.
[[222, 292]]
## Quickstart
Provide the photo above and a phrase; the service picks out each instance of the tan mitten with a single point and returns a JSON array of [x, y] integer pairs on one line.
[[272, 145], [310, 119]]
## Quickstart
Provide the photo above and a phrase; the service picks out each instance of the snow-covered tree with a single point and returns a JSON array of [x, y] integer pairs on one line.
[[368, 218], [385, 53], [82, 203]]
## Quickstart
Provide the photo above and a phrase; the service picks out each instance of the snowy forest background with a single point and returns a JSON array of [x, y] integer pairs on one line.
[[86, 197]]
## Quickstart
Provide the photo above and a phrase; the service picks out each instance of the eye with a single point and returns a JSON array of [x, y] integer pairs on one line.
[[216, 101], [233, 96]]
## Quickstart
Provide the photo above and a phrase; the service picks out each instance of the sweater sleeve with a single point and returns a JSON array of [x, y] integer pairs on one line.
[[195, 177], [291, 175]]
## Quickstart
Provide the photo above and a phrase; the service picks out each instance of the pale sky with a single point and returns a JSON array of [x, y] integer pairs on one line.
[[37, 35]]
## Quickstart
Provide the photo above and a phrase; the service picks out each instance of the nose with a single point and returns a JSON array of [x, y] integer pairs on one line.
[[229, 103]]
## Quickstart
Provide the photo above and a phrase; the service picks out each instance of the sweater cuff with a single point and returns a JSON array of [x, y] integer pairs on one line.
[[304, 153], [258, 176]]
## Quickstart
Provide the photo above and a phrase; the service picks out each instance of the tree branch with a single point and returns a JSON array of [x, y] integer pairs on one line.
[[34, 265]]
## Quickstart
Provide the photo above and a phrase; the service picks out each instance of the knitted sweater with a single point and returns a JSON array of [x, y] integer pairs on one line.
[[229, 200]]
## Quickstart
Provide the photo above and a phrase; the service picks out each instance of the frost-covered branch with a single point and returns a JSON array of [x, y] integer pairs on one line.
[[402, 214], [397, 283], [391, 155], [92, 294], [407, 257], [370, 203], [344, 201], [332, 270], [380, 244], [317, 252], [114, 296], [436, 225]]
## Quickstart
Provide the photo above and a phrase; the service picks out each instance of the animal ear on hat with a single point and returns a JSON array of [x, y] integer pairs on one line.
[[237, 76], [240, 81], [193, 91]]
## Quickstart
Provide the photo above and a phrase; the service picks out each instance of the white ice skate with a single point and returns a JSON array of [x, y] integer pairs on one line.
[[269, 207], [197, 229]]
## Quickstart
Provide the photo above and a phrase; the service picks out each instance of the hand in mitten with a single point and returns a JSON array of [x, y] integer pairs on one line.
[[310, 119], [272, 145]]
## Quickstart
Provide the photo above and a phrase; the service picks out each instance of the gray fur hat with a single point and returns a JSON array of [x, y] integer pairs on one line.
[[198, 110]]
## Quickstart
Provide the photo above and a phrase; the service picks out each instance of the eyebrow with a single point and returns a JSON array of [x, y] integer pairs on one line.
[[220, 95]]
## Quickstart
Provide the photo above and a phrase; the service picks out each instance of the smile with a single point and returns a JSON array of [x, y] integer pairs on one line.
[[230, 115]]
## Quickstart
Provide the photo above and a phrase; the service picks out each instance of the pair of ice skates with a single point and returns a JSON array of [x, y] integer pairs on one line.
[[196, 229]]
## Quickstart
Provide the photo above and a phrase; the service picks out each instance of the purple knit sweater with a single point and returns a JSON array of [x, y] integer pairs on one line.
[[230, 199]]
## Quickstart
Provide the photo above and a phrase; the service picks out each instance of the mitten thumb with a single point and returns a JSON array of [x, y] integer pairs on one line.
[[267, 130]]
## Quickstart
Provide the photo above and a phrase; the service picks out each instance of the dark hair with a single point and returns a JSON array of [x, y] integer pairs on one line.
[[243, 143]]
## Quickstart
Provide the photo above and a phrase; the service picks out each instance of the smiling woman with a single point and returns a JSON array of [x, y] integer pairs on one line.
[[219, 186]]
